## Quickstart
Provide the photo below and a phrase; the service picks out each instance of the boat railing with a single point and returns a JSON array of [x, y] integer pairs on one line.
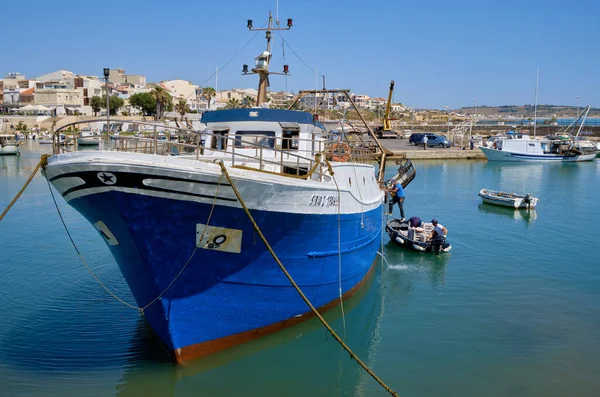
[[291, 156]]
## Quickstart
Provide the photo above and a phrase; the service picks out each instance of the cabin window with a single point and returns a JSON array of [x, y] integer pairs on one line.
[[252, 139], [531, 144], [290, 140], [219, 140]]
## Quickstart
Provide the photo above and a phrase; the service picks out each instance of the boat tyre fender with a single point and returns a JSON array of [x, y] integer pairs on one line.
[[340, 152], [417, 247]]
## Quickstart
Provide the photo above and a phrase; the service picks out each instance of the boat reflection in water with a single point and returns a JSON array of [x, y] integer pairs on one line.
[[521, 214], [267, 363]]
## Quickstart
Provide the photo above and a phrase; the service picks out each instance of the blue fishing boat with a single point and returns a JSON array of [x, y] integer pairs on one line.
[[176, 220]]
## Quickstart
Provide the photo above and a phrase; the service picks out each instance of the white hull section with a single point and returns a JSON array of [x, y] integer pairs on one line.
[[192, 180], [505, 155], [9, 149]]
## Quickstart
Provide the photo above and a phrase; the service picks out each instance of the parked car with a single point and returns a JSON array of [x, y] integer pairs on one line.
[[416, 138], [434, 140]]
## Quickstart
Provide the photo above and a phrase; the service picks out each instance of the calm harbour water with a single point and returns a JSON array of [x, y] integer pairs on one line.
[[513, 309]]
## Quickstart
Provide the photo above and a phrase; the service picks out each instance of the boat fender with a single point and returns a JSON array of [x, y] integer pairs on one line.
[[418, 247], [448, 248], [399, 240]]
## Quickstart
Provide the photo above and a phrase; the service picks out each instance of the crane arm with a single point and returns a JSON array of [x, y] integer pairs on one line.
[[387, 125]]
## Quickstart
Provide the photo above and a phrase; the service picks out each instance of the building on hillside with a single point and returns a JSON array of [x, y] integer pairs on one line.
[[116, 76], [11, 98], [56, 76], [119, 78], [59, 96], [90, 87], [183, 89], [1, 95], [27, 97], [236, 94], [280, 99], [135, 80], [318, 100], [11, 80], [361, 101], [398, 107]]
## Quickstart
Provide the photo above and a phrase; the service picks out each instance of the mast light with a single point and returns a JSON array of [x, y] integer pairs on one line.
[[289, 24]]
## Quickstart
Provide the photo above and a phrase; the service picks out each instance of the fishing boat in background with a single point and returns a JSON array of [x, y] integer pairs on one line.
[[521, 147], [415, 238], [88, 138], [504, 199], [9, 145], [178, 228]]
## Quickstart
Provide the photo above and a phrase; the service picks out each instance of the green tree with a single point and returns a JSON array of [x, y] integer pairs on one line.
[[114, 102], [182, 107], [233, 103], [164, 101], [144, 102], [208, 93], [248, 101], [96, 104]]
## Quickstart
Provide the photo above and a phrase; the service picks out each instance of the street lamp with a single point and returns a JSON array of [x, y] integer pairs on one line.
[[106, 74]]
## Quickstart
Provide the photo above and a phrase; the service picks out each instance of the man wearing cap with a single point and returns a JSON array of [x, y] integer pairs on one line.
[[397, 193], [438, 235]]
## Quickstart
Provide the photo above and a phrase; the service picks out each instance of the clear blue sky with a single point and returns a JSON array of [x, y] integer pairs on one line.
[[438, 52]]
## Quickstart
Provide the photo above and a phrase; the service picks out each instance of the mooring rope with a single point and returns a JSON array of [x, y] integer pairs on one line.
[[291, 280], [91, 271], [42, 163]]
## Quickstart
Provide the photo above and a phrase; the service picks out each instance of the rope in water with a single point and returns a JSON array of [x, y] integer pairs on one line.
[[42, 163], [291, 280]]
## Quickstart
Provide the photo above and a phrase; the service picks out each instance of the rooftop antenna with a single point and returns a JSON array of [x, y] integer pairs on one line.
[[262, 60]]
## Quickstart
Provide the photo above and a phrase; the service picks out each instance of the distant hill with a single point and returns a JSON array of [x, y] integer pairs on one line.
[[526, 111]]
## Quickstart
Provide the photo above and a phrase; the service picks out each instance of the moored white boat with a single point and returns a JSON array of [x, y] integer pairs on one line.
[[504, 199], [9, 145], [526, 149], [88, 138]]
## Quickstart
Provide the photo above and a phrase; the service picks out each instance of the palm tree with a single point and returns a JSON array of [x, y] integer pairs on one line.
[[208, 93], [182, 107], [248, 101], [233, 103], [162, 98]]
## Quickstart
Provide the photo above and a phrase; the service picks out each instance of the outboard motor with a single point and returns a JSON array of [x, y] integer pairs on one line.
[[528, 199]]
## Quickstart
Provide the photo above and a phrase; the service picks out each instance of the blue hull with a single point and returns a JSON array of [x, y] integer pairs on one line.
[[223, 294]]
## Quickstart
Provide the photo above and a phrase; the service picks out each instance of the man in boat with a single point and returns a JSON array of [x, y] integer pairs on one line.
[[415, 222], [397, 193], [438, 236]]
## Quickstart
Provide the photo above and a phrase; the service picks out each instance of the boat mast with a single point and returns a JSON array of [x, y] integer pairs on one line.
[[583, 121], [537, 78], [262, 60]]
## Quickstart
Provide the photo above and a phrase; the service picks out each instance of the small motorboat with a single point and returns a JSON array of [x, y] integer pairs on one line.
[[415, 238], [504, 199]]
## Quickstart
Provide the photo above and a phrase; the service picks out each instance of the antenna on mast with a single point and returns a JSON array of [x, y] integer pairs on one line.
[[262, 60]]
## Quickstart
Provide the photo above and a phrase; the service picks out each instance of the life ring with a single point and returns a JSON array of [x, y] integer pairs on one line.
[[340, 152]]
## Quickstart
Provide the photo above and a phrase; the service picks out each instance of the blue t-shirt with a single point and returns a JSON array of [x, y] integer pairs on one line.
[[400, 191]]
